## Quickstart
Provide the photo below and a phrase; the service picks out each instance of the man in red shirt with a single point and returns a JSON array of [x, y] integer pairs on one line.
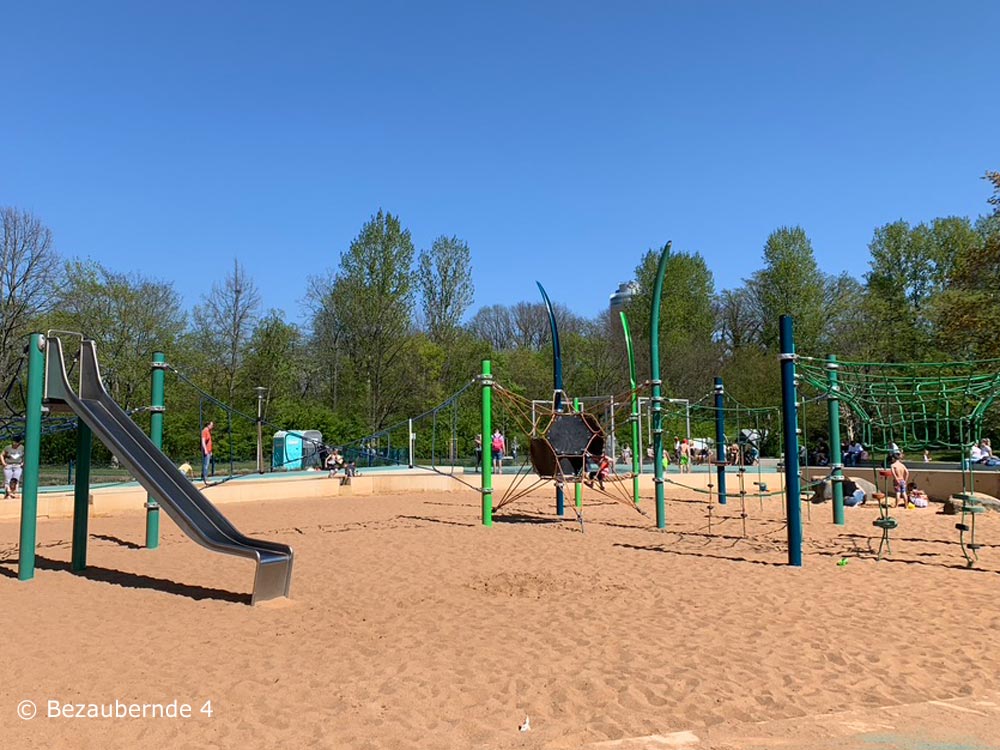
[[206, 450]]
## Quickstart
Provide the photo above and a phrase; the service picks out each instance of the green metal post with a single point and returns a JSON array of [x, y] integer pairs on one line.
[[487, 467], [81, 496], [156, 409], [656, 399], [32, 449], [634, 418], [837, 471], [578, 487]]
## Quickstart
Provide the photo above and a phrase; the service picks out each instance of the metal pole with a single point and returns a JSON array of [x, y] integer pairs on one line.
[[654, 367], [789, 404], [837, 471], [156, 409], [32, 449], [487, 416], [720, 438], [409, 428], [81, 497], [578, 486], [261, 390], [634, 417]]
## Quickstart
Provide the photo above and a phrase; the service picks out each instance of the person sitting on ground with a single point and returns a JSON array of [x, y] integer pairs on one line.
[[918, 498], [900, 478]]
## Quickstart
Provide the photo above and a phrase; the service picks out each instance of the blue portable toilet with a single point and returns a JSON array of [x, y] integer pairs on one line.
[[296, 449]]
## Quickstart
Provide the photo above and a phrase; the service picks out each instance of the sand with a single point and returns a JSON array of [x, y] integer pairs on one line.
[[412, 626]]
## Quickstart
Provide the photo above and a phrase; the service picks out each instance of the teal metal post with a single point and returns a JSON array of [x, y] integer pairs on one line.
[[157, 409], [81, 496], [32, 449], [656, 399], [789, 413], [487, 380], [720, 438], [634, 417], [837, 468]]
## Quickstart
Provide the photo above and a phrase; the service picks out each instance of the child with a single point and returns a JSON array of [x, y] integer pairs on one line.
[[900, 478]]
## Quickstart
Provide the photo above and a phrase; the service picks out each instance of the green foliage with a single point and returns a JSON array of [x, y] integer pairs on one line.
[[444, 276], [790, 283]]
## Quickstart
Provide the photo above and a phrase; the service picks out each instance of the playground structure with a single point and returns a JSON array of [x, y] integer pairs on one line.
[[49, 386], [561, 437]]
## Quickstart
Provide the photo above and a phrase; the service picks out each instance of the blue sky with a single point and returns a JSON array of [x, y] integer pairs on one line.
[[561, 140]]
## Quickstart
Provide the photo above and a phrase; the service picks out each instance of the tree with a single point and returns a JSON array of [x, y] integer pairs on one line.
[[494, 325], [994, 200], [29, 282], [789, 284], [129, 316], [738, 319], [687, 318], [225, 322], [370, 305], [444, 276], [909, 267]]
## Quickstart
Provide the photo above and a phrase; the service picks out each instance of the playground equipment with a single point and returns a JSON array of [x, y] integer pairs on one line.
[[49, 384], [908, 407]]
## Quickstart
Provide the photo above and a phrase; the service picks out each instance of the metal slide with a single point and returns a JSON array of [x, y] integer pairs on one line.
[[185, 505]]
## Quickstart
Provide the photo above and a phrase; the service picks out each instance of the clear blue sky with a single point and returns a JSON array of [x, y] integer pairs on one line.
[[560, 139]]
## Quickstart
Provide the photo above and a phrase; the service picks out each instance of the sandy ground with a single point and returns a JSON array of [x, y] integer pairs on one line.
[[413, 626]]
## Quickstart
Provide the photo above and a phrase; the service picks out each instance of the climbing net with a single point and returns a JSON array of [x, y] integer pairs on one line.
[[572, 443], [917, 406]]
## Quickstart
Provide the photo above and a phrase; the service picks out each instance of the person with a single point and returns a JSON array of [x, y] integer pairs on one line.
[[333, 462], [479, 452], [927, 456], [685, 461], [499, 448], [12, 460], [666, 459], [854, 452], [513, 452], [599, 471], [986, 453], [900, 479], [206, 450], [627, 455], [976, 454]]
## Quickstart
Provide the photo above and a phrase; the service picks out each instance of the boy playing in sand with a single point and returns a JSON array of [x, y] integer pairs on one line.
[[900, 478]]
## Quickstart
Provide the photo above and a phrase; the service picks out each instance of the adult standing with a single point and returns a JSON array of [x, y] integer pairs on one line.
[[206, 450], [499, 447], [479, 452]]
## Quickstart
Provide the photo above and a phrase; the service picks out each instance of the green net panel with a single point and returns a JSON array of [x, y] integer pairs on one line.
[[924, 405]]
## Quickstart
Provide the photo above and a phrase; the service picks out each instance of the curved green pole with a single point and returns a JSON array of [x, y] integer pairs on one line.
[[654, 379], [634, 418], [557, 382]]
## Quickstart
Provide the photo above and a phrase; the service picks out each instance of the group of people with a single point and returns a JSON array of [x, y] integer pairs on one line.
[[335, 462], [982, 453]]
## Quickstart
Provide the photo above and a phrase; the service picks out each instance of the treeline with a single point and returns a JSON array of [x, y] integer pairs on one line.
[[390, 334]]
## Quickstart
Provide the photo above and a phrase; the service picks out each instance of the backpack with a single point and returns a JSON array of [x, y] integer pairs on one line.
[[498, 443]]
